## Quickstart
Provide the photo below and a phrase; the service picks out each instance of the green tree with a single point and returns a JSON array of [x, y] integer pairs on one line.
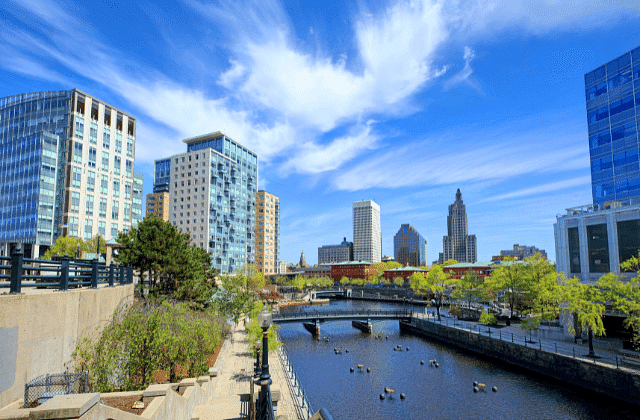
[[232, 298], [415, 277], [68, 245], [398, 281], [487, 318], [584, 301], [510, 279], [449, 262], [544, 289], [468, 288], [344, 281], [623, 296], [435, 283], [384, 266]]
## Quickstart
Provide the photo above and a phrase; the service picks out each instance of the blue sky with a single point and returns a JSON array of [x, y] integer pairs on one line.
[[402, 102]]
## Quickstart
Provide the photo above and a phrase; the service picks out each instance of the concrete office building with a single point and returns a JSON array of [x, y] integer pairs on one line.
[[213, 189], [158, 204], [522, 251], [331, 254], [66, 169], [409, 247], [367, 237], [458, 244], [267, 228]]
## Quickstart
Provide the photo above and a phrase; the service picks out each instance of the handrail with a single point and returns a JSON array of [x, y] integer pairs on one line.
[[548, 346], [301, 402]]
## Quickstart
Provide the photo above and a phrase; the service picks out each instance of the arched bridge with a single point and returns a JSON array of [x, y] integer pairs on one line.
[[360, 319]]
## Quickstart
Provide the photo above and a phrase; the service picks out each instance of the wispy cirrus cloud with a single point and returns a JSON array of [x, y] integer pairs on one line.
[[544, 188]]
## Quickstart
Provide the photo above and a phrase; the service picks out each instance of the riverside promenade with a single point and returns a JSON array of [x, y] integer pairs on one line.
[[230, 399]]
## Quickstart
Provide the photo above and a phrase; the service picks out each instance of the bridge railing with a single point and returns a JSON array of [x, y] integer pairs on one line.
[[339, 314], [17, 272]]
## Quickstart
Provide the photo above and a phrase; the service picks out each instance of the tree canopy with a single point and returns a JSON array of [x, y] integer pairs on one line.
[[434, 283], [68, 245], [584, 301]]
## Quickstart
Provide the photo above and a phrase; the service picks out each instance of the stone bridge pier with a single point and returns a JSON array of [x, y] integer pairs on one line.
[[365, 327], [313, 328]]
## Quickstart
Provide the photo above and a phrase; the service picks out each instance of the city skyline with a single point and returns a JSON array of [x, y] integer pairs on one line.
[[401, 103]]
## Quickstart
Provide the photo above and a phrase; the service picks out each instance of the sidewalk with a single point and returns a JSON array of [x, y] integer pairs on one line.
[[230, 400]]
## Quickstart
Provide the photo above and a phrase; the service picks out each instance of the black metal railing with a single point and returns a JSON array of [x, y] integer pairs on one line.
[[17, 272], [527, 340], [46, 387], [300, 400], [375, 313]]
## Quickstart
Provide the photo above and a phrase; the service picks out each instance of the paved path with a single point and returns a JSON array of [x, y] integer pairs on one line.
[[230, 399]]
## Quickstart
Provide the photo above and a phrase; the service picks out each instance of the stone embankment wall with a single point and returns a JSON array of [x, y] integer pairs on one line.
[[621, 383], [39, 330]]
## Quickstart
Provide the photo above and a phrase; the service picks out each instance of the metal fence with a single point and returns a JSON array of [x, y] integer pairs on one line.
[[46, 387], [550, 346], [61, 275], [303, 408], [363, 313]]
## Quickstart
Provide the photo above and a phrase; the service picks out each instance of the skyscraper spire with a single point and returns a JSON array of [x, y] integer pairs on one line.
[[458, 244]]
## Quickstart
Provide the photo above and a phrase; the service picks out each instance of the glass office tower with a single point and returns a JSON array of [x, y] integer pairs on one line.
[[66, 169], [613, 111], [409, 247], [213, 198]]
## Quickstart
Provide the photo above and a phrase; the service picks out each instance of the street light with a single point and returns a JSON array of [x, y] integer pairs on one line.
[[264, 320]]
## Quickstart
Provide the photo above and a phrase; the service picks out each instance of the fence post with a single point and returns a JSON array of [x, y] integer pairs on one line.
[[64, 273], [574, 352], [17, 258], [122, 275], [94, 273], [129, 275], [111, 273], [617, 366]]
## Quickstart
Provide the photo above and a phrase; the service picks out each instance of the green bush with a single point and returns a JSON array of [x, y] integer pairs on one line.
[[487, 318], [143, 338]]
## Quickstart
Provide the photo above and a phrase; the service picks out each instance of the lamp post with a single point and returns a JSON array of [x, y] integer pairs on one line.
[[256, 379], [264, 320]]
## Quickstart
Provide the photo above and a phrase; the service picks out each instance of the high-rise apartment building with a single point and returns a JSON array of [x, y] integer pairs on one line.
[[409, 247], [367, 236], [158, 204], [267, 229], [522, 251], [613, 114], [158, 200], [332, 254], [212, 197], [66, 169], [458, 244]]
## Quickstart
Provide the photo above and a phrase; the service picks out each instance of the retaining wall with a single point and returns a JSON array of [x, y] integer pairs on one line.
[[39, 330], [617, 383]]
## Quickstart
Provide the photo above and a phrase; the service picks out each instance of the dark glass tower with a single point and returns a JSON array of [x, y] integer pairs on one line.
[[613, 111], [409, 247]]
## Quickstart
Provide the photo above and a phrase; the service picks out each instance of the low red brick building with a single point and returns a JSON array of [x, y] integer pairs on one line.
[[403, 272], [458, 271], [353, 270]]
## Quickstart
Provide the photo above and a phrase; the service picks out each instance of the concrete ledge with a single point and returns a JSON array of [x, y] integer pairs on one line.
[[214, 372], [202, 379], [14, 414], [187, 382], [121, 394], [65, 406], [156, 390], [152, 408]]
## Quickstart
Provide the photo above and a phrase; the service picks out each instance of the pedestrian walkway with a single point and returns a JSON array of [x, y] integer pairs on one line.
[[230, 400]]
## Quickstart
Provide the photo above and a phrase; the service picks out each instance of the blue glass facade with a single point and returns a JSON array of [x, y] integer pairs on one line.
[[162, 175], [409, 247], [34, 130], [613, 114]]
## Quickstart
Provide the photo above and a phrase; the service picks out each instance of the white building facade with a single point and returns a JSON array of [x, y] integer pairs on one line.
[[367, 236]]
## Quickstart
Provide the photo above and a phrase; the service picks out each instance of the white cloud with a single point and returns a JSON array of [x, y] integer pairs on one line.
[[464, 76], [231, 76], [544, 188]]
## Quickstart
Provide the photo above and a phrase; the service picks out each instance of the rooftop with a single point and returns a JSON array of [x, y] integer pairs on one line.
[[407, 268], [352, 263], [477, 264], [596, 208]]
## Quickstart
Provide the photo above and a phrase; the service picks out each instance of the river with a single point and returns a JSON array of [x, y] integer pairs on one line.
[[431, 393]]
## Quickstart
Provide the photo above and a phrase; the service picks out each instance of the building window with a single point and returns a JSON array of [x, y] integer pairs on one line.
[[75, 202], [76, 181], [105, 161], [129, 146], [77, 152], [129, 168], [106, 138], [628, 239], [88, 227], [116, 165], [103, 208], [79, 129], [92, 157], [116, 188], [127, 212], [598, 245], [104, 184], [89, 205], [102, 228], [114, 230], [93, 133], [118, 143], [91, 180], [127, 190], [114, 210]]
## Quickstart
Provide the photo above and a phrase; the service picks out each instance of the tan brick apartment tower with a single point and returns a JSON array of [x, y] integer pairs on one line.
[[267, 232]]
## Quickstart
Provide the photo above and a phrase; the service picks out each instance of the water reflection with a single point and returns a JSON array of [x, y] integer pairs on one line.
[[444, 393]]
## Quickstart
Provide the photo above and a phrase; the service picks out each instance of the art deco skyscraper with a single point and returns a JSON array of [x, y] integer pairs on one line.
[[458, 244], [367, 237]]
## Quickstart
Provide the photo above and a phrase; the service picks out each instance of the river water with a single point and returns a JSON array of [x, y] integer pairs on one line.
[[431, 393]]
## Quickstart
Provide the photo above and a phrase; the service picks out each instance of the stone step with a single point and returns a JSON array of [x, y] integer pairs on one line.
[[223, 408]]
